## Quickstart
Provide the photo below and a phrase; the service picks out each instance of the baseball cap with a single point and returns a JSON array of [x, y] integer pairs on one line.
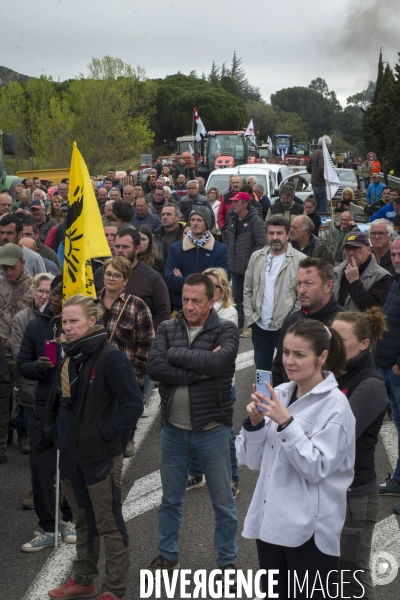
[[64, 206], [204, 213], [375, 175], [358, 238], [10, 254], [242, 196], [36, 202]]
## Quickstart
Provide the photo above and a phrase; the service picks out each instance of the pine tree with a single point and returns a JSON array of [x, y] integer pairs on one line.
[[215, 71], [381, 120], [379, 79]]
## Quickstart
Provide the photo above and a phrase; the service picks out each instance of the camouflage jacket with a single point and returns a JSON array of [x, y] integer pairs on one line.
[[14, 296]]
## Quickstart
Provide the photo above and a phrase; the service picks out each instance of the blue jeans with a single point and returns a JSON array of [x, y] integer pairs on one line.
[[393, 383], [320, 198], [195, 470], [264, 343], [367, 181], [237, 291], [212, 449]]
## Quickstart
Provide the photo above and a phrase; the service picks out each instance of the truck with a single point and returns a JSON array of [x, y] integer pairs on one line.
[[187, 148], [264, 152], [50, 176], [290, 154], [226, 149], [303, 152], [7, 182]]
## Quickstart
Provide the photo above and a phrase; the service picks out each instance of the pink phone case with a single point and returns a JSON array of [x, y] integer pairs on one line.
[[50, 351]]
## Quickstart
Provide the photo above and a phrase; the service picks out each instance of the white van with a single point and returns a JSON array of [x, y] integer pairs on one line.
[[265, 177]]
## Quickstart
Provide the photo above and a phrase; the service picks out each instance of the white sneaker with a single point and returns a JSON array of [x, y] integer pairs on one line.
[[68, 532], [145, 413], [40, 541]]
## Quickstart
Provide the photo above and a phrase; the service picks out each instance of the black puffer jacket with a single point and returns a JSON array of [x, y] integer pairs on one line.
[[250, 238], [387, 351], [173, 362], [38, 330]]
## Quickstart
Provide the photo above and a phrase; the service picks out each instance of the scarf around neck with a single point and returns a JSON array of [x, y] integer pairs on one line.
[[202, 241], [78, 351]]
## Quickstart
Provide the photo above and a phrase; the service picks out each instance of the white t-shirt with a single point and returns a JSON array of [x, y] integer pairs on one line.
[[272, 267]]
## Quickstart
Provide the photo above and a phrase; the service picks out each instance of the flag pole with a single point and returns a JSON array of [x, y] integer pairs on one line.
[[57, 499], [331, 203]]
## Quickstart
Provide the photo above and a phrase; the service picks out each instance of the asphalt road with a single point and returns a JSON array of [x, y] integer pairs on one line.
[[29, 576]]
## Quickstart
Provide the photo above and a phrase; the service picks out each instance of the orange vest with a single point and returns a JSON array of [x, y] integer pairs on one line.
[[376, 166]]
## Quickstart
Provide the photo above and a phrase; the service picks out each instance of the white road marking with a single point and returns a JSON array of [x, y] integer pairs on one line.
[[386, 538], [146, 492], [244, 360], [144, 495], [54, 572], [388, 434]]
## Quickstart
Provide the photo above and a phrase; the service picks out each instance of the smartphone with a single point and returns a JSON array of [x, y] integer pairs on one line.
[[261, 377], [50, 351]]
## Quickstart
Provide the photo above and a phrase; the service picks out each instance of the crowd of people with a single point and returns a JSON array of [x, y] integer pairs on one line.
[[188, 273]]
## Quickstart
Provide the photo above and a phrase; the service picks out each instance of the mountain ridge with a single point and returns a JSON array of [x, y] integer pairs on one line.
[[8, 75]]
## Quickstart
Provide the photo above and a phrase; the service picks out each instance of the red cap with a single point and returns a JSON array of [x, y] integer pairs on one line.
[[242, 196]]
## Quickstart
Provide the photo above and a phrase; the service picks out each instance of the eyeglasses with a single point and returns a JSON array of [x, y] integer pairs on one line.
[[378, 233], [42, 292], [55, 293], [109, 275]]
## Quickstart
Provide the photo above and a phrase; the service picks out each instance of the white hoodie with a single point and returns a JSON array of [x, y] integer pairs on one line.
[[305, 469]]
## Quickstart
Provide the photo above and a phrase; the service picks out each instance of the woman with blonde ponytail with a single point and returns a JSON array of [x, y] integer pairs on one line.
[[366, 391]]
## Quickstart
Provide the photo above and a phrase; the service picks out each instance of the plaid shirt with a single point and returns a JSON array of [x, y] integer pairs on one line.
[[134, 332]]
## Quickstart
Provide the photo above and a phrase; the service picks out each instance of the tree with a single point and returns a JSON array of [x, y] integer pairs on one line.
[[264, 117], [238, 74], [349, 124], [320, 85], [117, 127], [231, 86], [381, 120], [292, 124], [215, 71], [41, 121], [316, 111], [362, 99], [178, 94]]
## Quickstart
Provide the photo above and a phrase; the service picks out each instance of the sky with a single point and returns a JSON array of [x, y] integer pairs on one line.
[[282, 43]]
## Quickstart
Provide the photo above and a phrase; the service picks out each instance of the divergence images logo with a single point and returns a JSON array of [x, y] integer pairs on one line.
[[384, 568]]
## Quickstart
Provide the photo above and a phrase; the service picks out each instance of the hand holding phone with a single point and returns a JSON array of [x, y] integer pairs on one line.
[[261, 378], [50, 351]]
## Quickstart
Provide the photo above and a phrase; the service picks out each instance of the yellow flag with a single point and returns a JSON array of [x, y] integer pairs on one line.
[[84, 237]]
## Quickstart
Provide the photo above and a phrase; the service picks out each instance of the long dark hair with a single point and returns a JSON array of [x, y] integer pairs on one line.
[[320, 338], [148, 257]]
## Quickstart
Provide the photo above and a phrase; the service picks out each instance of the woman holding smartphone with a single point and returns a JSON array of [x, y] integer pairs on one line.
[[301, 436]]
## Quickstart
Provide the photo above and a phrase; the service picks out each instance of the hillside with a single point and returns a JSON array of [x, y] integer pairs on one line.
[[8, 75]]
